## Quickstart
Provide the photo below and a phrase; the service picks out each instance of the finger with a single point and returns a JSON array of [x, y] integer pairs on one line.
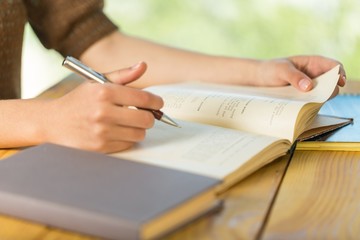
[[121, 133], [117, 146], [118, 139], [115, 138], [342, 77], [328, 64], [127, 96], [127, 75], [113, 146], [297, 79], [314, 66], [124, 116]]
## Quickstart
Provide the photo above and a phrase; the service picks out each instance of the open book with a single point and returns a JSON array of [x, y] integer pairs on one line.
[[228, 132]]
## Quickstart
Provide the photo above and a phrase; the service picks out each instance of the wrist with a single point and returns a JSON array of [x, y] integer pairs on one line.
[[24, 123], [39, 123]]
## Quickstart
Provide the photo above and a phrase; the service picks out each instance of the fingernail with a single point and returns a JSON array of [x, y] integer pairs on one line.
[[304, 84], [136, 66], [344, 78]]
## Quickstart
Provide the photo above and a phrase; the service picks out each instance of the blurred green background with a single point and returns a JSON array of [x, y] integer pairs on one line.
[[243, 28]]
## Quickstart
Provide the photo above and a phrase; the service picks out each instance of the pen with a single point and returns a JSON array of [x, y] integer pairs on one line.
[[78, 67]]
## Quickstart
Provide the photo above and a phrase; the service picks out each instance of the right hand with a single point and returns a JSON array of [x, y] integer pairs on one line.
[[96, 117]]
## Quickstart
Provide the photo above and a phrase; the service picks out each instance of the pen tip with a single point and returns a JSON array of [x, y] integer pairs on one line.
[[169, 121]]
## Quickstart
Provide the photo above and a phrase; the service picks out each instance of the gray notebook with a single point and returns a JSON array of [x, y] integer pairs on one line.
[[101, 195]]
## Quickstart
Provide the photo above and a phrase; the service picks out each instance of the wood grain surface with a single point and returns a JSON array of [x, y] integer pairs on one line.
[[319, 198]]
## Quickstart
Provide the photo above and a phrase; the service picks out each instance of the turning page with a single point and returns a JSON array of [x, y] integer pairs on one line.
[[272, 111]]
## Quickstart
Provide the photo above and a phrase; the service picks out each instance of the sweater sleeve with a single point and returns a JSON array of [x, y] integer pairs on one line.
[[68, 26]]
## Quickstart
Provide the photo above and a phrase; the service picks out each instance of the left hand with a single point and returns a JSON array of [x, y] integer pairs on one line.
[[297, 71]]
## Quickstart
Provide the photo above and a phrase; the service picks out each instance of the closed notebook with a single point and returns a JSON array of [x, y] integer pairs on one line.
[[101, 195], [344, 139]]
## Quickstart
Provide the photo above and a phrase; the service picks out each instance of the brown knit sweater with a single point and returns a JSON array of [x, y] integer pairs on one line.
[[68, 26]]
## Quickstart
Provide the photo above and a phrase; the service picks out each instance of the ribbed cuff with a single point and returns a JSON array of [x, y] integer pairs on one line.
[[90, 30]]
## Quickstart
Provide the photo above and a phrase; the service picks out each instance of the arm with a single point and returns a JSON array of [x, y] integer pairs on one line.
[[167, 64], [92, 116]]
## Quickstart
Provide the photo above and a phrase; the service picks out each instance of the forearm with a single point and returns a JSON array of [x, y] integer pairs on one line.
[[21, 121], [166, 64]]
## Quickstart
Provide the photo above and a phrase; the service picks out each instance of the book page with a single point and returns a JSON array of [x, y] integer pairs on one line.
[[272, 111], [247, 113], [202, 149]]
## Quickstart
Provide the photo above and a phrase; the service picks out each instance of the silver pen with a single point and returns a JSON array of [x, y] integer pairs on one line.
[[78, 67]]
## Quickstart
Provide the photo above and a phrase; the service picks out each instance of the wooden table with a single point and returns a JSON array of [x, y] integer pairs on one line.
[[310, 195]]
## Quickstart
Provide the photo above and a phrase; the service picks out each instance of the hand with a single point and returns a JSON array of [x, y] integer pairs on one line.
[[297, 71], [96, 117]]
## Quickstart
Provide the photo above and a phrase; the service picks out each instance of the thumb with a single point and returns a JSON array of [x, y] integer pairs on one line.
[[298, 80], [127, 75]]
